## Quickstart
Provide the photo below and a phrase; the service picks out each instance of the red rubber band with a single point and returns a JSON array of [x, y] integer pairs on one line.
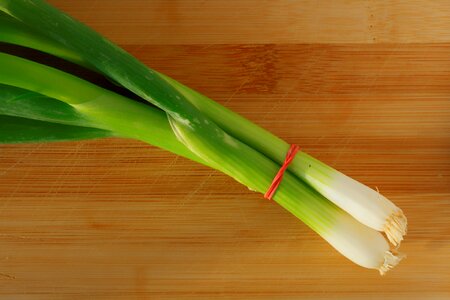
[[277, 180]]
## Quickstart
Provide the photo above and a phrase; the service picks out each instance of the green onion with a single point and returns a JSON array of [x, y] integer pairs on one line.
[[365, 204], [106, 110], [191, 125]]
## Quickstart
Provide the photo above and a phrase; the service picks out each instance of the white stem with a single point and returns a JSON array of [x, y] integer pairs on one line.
[[363, 203], [361, 244]]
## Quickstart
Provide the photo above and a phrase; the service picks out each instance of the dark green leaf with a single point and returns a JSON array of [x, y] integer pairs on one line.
[[21, 130], [23, 103]]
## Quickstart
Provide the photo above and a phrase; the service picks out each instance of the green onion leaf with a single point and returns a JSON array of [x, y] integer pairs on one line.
[[23, 103], [21, 130]]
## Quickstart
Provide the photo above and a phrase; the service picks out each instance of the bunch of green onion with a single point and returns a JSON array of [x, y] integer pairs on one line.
[[43, 104]]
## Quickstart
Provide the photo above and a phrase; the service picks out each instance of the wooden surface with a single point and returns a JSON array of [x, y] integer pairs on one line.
[[362, 85]]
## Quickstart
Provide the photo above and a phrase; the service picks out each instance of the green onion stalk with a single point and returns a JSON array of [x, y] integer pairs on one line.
[[189, 124], [28, 91], [365, 204]]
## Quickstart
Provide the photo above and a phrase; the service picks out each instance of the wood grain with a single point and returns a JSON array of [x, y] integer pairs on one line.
[[267, 21], [118, 219]]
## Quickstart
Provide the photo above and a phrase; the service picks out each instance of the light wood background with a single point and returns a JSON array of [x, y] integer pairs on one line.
[[362, 85]]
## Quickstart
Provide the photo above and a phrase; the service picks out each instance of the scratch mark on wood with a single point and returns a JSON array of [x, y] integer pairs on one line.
[[23, 158], [7, 276], [236, 91], [183, 201]]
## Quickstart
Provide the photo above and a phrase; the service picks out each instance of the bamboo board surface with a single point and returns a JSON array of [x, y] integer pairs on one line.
[[361, 85]]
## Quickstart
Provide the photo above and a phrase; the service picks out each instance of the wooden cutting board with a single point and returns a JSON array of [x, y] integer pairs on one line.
[[362, 85]]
